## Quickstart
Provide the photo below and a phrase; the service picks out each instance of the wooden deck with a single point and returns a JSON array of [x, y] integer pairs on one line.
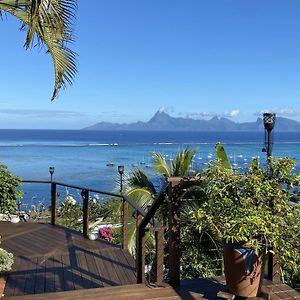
[[53, 259], [188, 290]]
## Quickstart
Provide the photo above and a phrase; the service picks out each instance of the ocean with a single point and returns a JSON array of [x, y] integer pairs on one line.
[[81, 157]]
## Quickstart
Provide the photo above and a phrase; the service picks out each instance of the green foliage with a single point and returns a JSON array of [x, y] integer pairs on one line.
[[71, 213], [49, 23], [6, 261], [222, 156], [253, 208], [178, 167], [9, 192]]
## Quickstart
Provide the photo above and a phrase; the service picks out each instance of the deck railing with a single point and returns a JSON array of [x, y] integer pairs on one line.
[[85, 194], [145, 224], [143, 220]]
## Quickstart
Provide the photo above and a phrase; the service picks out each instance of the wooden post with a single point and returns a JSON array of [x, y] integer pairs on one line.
[[140, 250], [53, 203], [273, 267], [159, 255], [85, 209], [125, 224], [174, 230]]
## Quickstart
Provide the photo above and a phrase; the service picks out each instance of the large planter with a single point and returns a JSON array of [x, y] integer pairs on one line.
[[243, 270], [3, 278]]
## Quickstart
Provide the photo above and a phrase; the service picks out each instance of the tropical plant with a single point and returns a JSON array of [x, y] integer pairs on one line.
[[9, 192], [140, 187], [49, 23], [253, 209]]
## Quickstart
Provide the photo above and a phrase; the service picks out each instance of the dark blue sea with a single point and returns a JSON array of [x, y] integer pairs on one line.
[[81, 157]]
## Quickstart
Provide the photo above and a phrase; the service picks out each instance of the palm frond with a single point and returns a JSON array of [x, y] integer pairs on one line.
[[182, 162], [139, 179], [141, 196], [49, 23], [160, 165]]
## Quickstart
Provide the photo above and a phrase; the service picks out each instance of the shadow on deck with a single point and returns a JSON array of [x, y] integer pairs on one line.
[[53, 259]]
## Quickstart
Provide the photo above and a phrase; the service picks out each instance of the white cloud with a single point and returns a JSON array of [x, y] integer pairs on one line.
[[283, 112], [232, 114], [210, 114], [166, 109]]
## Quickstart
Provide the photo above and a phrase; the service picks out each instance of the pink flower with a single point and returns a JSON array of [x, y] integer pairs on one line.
[[105, 233]]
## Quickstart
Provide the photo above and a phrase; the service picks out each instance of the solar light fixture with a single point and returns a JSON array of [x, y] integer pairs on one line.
[[269, 123], [121, 172], [51, 171]]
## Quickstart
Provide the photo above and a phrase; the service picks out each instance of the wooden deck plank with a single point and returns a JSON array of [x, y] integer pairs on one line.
[[67, 273], [189, 289], [58, 273], [82, 265], [119, 269], [52, 258], [108, 273], [49, 275], [31, 276], [39, 286], [97, 282], [102, 273]]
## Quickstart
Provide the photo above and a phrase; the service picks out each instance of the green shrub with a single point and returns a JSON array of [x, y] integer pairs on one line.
[[6, 261], [9, 192]]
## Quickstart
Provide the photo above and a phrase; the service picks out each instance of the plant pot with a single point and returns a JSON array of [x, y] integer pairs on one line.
[[3, 278], [14, 219], [243, 270]]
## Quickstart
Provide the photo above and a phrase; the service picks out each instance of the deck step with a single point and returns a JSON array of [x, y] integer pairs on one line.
[[125, 292]]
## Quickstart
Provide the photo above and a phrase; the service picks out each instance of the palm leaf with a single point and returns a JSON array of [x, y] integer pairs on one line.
[[182, 162], [139, 179], [222, 156], [160, 165], [141, 196], [50, 22]]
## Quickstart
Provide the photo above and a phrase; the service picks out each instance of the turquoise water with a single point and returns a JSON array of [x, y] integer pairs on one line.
[[80, 157]]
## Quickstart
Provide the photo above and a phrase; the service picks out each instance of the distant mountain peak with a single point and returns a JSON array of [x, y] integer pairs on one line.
[[162, 121]]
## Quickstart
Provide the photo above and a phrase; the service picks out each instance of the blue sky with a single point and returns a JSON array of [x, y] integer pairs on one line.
[[196, 58]]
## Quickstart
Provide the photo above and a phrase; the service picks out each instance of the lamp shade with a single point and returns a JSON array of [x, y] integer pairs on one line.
[[121, 169], [269, 121], [51, 170]]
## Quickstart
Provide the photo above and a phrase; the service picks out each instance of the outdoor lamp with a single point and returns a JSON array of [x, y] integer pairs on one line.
[[121, 172], [51, 171], [269, 123]]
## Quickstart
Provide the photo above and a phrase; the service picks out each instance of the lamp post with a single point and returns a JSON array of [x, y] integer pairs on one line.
[[51, 171], [269, 123], [121, 172]]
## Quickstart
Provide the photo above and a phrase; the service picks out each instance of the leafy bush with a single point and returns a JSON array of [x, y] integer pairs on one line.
[[9, 192], [6, 261], [253, 208], [70, 214]]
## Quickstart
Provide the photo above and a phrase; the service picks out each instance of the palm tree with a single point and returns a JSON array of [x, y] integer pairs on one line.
[[48, 23], [140, 187]]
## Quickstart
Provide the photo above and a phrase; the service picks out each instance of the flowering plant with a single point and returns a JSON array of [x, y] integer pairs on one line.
[[105, 233]]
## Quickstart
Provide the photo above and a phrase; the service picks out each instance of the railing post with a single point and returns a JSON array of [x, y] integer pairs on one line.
[[273, 267], [85, 208], [159, 255], [53, 203], [174, 230], [125, 224], [140, 250]]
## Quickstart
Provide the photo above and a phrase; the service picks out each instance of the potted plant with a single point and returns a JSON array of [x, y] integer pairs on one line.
[[251, 212], [6, 262]]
